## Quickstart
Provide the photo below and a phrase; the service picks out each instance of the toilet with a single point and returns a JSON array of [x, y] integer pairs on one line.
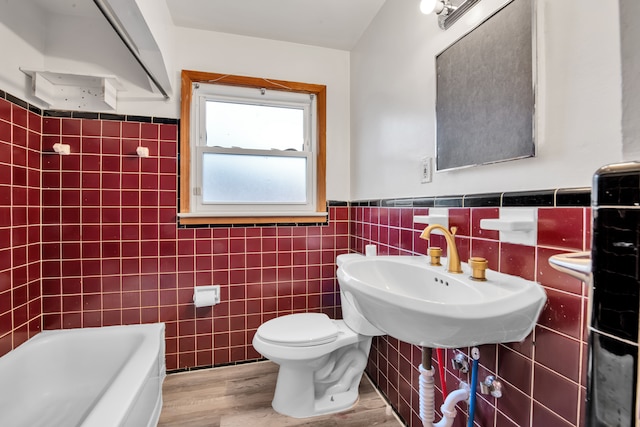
[[321, 360]]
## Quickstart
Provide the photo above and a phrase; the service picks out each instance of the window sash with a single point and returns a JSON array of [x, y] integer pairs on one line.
[[267, 133], [307, 102], [246, 207]]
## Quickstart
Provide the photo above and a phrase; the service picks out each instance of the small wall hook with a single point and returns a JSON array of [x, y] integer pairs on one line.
[[142, 152], [62, 149]]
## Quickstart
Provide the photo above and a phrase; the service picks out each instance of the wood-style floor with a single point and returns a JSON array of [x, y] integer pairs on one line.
[[241, 396]]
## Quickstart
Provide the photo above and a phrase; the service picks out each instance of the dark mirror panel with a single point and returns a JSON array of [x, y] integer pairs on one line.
[[485, 92]]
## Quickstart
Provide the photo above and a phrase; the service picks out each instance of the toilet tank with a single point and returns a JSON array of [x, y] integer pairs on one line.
[[350, 313]]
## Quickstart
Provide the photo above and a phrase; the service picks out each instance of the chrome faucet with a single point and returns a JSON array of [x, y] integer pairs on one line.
[[453, 259]]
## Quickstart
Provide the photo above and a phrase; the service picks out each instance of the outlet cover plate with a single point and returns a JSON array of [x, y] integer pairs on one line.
[[426, 170]]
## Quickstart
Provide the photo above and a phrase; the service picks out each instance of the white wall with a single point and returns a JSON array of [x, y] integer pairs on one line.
[[629, 36], [22, 32], [393, 102]]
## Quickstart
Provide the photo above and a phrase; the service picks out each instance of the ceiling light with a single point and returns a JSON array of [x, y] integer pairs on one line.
[[446, 11], [436, 6]]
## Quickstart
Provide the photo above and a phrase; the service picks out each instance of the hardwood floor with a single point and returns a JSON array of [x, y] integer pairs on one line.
[[241, 396]]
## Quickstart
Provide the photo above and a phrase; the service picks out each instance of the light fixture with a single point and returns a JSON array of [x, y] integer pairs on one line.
[[141, 43], [447, 12], [436, 6]]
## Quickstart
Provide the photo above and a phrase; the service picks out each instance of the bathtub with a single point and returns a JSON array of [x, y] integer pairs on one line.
[[90, 377]]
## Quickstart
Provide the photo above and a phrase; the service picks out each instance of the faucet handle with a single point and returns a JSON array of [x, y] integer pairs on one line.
[[435, 253], [478, 268], [454, 230]]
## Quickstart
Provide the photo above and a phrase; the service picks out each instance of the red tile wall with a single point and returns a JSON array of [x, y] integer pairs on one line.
[[113, 253], [91, 239], [20, 304], [543, 377]]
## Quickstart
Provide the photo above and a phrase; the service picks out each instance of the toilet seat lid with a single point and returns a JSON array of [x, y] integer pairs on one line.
[[299, 330]]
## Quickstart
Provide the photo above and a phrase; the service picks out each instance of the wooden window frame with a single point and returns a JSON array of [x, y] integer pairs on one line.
[[190, 77]]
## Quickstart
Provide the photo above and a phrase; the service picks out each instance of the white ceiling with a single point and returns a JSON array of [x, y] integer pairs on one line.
[[336, 24], [68, 7]]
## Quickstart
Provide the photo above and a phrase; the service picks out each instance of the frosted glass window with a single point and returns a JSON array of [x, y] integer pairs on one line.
[[271, 127], [256, 151], [242, 178]]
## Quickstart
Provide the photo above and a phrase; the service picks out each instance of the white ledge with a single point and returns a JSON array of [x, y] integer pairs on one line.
[[430, 219], [516, 225], [249, 214], [507, 224], [436, 216]]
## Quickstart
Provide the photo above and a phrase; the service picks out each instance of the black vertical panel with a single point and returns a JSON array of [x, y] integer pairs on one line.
[[616, 286], [611, 392], [617, 185], [613, 363]]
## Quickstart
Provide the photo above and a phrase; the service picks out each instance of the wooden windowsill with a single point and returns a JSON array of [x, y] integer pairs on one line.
[[188, 218]]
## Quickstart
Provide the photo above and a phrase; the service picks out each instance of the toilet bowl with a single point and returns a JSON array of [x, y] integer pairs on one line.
[[321, 360]]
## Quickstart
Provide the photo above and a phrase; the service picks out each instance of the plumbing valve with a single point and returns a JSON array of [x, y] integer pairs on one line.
[[459, 363], [491, 386], [478, 268], [435, 253]]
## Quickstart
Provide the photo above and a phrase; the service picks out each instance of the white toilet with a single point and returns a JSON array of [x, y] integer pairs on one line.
[[321, 360]]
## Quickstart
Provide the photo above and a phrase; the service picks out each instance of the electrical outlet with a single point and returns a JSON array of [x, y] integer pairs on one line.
[[426, 170]]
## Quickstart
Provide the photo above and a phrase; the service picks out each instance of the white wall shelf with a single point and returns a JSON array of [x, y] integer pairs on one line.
[[506, 224], [435, 216], [516, 225], [75, 92]]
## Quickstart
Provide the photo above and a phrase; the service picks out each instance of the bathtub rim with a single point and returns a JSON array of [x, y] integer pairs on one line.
[[119, 389], [117, 400]]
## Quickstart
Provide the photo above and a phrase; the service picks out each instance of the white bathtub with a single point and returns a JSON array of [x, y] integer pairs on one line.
[[91, 377]]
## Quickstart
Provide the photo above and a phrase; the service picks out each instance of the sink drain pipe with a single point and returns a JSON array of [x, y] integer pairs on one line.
[[427, 395]]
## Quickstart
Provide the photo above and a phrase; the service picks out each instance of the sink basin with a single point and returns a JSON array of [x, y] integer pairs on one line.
[[415, 302]]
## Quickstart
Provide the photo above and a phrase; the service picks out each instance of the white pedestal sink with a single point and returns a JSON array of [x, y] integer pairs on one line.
[[424, 305]]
